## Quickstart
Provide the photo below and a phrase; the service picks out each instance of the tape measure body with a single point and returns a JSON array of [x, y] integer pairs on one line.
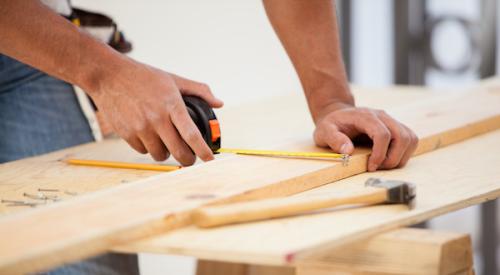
[[206, 121]]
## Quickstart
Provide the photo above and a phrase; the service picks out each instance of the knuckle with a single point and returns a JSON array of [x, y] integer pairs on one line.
[[405, 137], [378, 158], [381, 112], [176, 106], [127, 136], [366, 111], [390, 162], [204, 87], [383, 134], [402, 164], [191, 136], [159, 119], [141, 127], [414, 138]]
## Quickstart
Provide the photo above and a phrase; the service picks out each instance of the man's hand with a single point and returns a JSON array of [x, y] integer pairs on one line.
[[144, 106], [393, 143], [308, 31]]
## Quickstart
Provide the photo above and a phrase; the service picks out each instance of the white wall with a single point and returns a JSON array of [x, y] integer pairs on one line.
[[227, 44]]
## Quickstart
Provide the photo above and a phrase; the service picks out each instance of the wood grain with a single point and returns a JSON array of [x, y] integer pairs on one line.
[[448, 179], [31, 240], [406, 251]]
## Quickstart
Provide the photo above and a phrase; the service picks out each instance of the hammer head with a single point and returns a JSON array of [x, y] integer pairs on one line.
[[397, 191]]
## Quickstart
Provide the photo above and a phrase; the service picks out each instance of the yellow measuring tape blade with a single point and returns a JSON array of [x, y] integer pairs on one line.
[[336, 156]]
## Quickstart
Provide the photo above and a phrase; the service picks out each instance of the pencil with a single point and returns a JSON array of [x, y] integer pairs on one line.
[[124, 165]]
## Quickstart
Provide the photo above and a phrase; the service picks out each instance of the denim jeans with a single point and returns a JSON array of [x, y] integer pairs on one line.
[[40, 114]]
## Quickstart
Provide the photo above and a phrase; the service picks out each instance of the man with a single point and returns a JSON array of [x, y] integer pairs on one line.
[[144, 105]]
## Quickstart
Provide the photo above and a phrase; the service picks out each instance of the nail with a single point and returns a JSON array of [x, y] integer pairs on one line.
[[70, 193], [35, 197], [343, 149], [47, 190], [372, 167], [11, 201]]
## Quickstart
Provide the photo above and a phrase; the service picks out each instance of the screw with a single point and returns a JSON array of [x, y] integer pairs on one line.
[[47, 190], [11, 201], [30, 204], [35, 197]]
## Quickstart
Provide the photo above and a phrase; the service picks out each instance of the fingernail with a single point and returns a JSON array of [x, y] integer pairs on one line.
[[343, 149], [372, 167]]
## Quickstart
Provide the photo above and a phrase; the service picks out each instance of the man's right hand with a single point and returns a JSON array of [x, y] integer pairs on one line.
[[144, 106]]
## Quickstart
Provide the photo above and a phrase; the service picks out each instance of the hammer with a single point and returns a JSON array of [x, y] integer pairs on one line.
[[375, 191]]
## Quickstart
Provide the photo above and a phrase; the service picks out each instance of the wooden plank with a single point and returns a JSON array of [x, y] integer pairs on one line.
[[448, 179], [406, 251], [217, 268], [327, 270], [47, 171], [164, 202], [27, 175]]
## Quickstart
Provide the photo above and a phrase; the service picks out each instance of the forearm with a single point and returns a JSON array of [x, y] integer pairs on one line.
[[308, 31], [37, 36]]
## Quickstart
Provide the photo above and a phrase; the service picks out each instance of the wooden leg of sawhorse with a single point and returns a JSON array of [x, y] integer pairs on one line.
[[223, 268], [407, 251]]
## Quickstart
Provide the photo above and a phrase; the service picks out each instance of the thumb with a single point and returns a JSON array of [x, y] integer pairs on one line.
[[333, 138], [190, 87]]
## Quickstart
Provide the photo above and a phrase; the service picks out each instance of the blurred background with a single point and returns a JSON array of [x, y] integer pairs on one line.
[[231, 46]]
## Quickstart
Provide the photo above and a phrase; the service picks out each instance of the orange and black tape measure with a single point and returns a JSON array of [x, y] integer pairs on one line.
[[206, 121]]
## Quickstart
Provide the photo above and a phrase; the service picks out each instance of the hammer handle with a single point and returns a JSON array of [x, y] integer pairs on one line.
[[211, 216]]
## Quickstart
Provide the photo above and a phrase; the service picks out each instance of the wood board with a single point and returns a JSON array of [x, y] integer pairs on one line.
[[173, 195], [403, 251], [448, 179], [46, 171]]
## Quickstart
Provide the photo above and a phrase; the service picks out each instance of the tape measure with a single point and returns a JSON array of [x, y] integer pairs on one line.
[[206, 121]]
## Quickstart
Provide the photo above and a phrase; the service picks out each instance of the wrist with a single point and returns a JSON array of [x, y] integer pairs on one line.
[[329, 108], [99, 65], [323, 105]]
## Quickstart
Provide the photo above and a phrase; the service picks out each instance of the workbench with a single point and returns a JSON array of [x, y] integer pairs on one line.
[[324, 242]]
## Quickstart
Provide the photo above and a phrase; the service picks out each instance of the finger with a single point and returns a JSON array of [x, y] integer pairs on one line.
[[400, 142], [154, 145], [190, 87], [177, 147], [190, 133], [379, 134], [411, 149], [135, 143], [330, 136]]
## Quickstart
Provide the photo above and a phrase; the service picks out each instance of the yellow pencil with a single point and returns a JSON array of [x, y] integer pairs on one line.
[[125, 165]]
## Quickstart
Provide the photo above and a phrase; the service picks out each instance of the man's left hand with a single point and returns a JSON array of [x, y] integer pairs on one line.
[[393, 142]]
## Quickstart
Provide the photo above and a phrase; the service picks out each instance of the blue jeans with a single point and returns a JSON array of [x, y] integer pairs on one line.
[[40, 114]]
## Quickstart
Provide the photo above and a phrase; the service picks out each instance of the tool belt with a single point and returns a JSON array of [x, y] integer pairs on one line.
[[101, 27]]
